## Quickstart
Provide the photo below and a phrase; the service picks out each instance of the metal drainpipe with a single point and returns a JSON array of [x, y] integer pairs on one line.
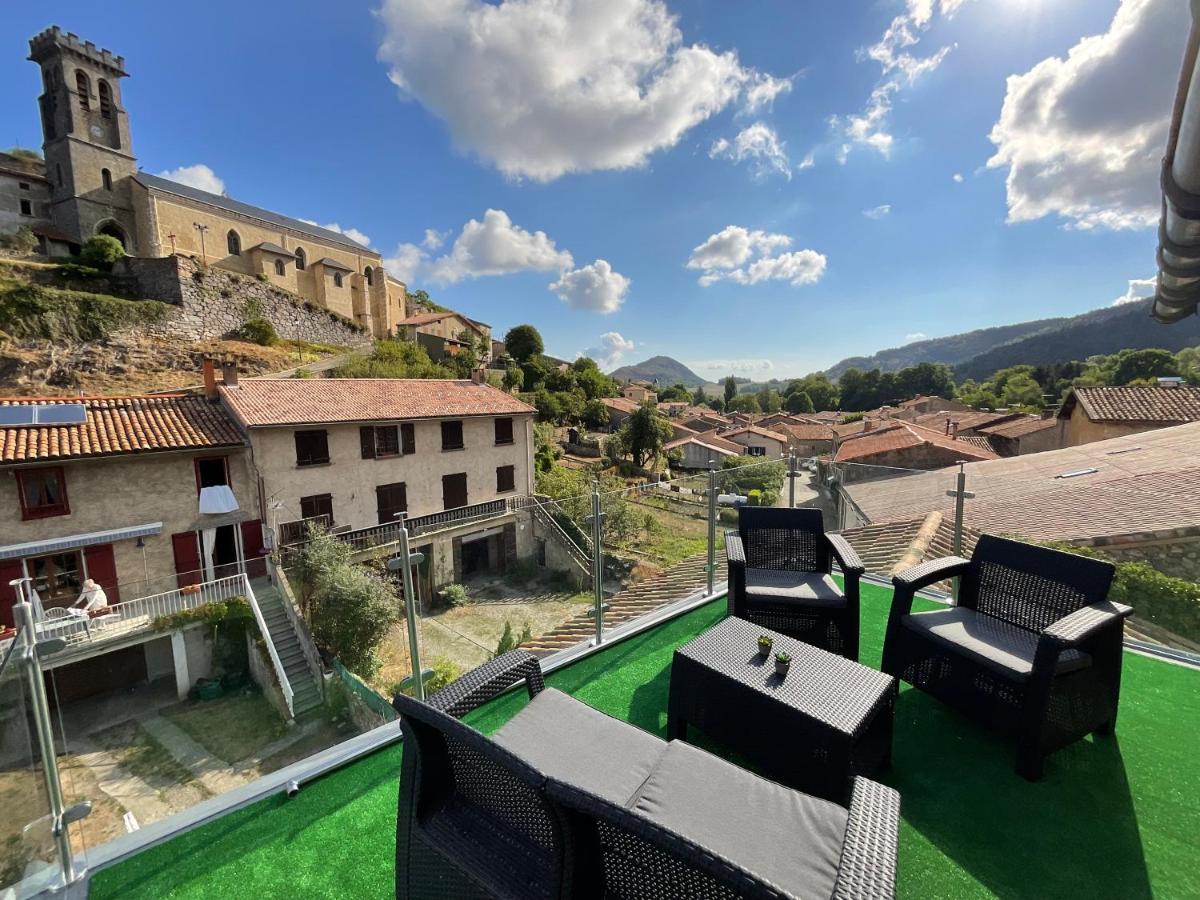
[[791, 478], [404, 561]]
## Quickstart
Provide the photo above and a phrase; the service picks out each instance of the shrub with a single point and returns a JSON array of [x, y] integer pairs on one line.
[[20, 241], [444, 672], [101, 252], [507, 641], [1168, 602], [754, 497], [454, 594], [262, 276], [258, 331]]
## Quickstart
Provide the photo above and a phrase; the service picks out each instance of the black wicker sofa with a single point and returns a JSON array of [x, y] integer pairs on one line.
[[565, 801]]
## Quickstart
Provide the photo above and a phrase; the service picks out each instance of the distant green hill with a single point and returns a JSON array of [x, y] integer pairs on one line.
[[977, 354], [661, 370]]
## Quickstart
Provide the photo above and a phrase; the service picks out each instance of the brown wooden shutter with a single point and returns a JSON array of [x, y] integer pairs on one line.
[[102, 569], [366, 437], [10, 570], [252, 548], [454, 490], [408, 438], [186, 547]]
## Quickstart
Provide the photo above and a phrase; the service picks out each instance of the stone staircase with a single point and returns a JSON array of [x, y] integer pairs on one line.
[[638, 599], [306, 693]]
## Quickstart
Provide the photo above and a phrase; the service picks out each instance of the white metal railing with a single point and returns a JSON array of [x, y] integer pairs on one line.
[[299, 626], [284, 685], [139, 614]]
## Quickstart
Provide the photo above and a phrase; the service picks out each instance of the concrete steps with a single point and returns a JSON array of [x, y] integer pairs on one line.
[[306, 693], [636, 600]]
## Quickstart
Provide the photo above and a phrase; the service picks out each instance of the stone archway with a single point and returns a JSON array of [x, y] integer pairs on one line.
[[112, 229]]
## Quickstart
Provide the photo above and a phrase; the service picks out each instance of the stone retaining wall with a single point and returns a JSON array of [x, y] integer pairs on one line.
[[1172, 551], [213, 302]]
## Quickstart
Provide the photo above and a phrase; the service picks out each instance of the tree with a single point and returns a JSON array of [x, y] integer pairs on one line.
[[799, 402], [514, 378], [1022, 390], [546, 404], [820, 389], [350, 609], [744, 403], [769, 401], [645, 432], [1142, 365], [699, 398], [715, 403], [392, 359], [743, 474], [731, 389], [535, 370], [674, 392], [594, 383], [545, 448], [507, 641], [523, 342], [101, 252], [22, 240], [595, 414]]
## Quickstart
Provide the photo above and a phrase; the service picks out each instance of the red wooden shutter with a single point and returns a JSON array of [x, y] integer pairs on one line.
[[252, 547], [10, 570], [102, 569], [186, 546]]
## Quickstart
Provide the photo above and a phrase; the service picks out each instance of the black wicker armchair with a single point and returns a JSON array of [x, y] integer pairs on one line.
[[779, 577], [1032, 646], [564, 801]]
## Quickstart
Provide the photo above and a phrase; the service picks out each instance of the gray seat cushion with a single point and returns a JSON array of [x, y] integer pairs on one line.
[[789, 839], [570, 741], [997, 644], [806, 588]]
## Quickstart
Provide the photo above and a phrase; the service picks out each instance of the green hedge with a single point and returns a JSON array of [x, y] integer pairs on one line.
[[30, 311], [1168, 602]]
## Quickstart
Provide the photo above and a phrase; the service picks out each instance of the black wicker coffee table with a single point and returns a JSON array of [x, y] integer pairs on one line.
[[828, 719]]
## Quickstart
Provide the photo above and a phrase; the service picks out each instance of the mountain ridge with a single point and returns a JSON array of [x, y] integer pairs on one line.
[[663, 370]]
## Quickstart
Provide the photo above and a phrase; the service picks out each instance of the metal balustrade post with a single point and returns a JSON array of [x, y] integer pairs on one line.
[[791, 478], [597, 522], [404, 562], [960, 495], [29, 650], [712, 526]]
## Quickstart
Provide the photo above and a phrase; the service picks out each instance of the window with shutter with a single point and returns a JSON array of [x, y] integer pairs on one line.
[[504, 431], [318, 506], [312, 448], [408, 438], [387, 440], [506, 479], [452, 435], [391, 500], [42, 493]]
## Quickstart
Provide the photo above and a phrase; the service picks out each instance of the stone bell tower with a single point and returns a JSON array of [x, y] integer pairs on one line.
[[89, 157]]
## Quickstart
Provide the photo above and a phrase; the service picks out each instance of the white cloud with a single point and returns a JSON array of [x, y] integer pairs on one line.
[[1082, 137], [594, 288], [199, 176], [612, 349], [915, 336], [724, 256], [496, 246], [1139, 289], [434, 239], [808, 162], [899, 68], [958, 178], [727, 366], [353, 233], [878, 212], [759, 145], [405, 263], [544, 87], [761, 91]]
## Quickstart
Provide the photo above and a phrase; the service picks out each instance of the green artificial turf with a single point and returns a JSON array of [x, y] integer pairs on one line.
[[1115, 817]]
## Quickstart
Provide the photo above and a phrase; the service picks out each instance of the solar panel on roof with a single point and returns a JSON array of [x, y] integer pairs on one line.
[[29, 416], [16, 416], [61, 414]]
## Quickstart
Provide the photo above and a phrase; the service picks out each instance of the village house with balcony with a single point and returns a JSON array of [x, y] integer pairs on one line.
[[144, 495], [358, 454]]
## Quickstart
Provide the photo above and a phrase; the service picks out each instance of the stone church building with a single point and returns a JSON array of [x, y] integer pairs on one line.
[[89, 183]]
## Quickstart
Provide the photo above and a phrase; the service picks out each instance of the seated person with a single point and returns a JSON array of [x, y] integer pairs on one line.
[[91, 600]]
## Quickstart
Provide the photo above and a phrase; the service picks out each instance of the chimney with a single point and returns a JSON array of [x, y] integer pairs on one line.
[[954, 431], [229, 372], [210, 378], [947, 424], [866, 423], [479, 375]]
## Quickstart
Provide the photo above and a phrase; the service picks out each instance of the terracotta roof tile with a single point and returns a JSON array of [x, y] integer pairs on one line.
[[258, 402], [1019, 427], [1137, 403], [901, 436], [805, 432], [120, 425]]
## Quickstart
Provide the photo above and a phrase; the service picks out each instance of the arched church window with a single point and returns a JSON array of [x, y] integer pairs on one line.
[[105, 99], [106, 177], [337, 279], [234, 243], [369, 275], [301, 259], [84, 88], [279, 270]]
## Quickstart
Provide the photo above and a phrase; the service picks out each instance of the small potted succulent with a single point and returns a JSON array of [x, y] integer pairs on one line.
[[764, 645], [782, 662]]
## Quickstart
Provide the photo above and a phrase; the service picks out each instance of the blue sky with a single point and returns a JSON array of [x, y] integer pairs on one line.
[[750, 140]]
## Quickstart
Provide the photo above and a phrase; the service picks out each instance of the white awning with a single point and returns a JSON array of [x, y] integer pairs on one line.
[[74, 541]]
